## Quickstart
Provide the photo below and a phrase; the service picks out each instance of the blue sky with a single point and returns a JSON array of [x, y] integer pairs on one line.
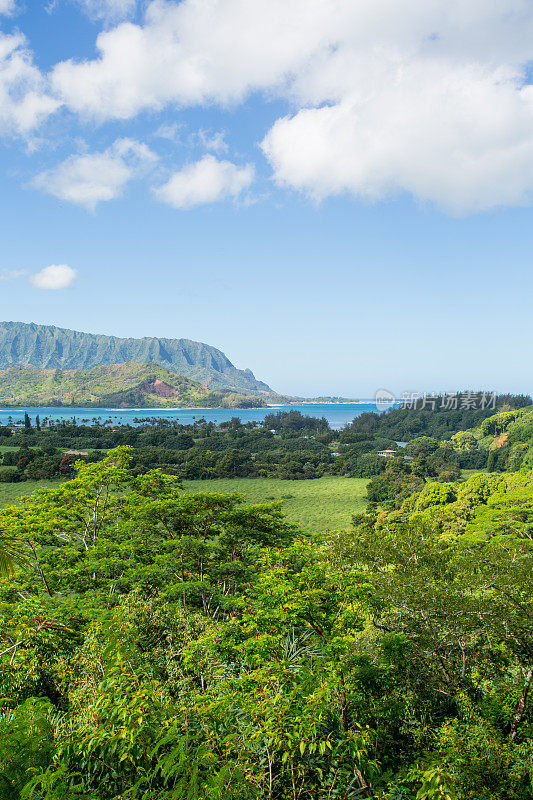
[[337, 203]]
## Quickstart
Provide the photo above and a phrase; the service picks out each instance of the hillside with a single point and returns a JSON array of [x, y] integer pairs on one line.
[[48, 347], [117, 386]]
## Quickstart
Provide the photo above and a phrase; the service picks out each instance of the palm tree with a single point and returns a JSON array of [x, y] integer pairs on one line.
[[7, 567]]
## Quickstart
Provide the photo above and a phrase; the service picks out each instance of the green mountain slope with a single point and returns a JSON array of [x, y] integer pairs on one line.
[[117, 386], [48, 347]]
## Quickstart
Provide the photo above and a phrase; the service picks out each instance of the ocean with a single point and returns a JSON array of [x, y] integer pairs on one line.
[[337, 414]]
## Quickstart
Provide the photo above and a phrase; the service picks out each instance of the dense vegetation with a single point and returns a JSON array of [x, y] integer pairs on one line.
[[116, 386], [440, 417], [49, 347], [286, 446], [158, 644], [291, 446]]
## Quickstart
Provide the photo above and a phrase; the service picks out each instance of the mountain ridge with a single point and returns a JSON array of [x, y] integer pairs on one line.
[[118, 385], [52, 347]]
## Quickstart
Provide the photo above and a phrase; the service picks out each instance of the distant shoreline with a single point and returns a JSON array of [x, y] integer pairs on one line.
[[190, 408], [337, 414]]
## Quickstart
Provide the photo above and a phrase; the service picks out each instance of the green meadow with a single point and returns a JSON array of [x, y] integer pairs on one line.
[[316, 505]]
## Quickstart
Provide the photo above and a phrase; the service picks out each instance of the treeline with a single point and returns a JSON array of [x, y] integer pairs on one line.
[[289, 445], [441, 416], [37, 464]]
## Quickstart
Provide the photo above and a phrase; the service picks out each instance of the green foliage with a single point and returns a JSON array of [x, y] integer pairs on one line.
[[162, 644], [395, 485], [436, 494], [435, 785], [120, 385], [438, 419], [483, 765], [26, 744]]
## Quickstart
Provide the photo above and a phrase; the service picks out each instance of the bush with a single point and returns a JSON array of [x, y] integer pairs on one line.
[[26, 739], [11, 475], [483, 764], [367, 466]]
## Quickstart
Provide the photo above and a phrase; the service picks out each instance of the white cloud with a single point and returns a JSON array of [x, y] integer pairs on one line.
[[206, 181], [457, 137], [213, 141], [11, 274], [7, 6], [91, 178], [56, 276], [24, 99], [188, 53], [171, 131], [109, 10], [389, 96]]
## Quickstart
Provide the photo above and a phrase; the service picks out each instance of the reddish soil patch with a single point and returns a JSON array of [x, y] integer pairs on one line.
[[160, 388], [500, 440]]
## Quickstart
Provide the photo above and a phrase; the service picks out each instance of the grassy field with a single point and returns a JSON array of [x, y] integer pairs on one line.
[[10, 492], [316, 505], [467, 473]]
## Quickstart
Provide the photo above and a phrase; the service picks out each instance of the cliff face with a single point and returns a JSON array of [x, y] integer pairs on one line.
[[48, 347]]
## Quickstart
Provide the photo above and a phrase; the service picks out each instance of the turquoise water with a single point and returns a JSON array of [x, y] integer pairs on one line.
[[337, 414]]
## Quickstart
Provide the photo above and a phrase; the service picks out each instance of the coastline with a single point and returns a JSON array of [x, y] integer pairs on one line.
[[337, 414], [191, 408]]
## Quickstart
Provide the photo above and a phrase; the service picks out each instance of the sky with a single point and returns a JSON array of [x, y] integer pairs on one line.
[[337, 194]]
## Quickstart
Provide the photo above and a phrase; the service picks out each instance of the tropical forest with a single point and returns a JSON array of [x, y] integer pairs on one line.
[[163, 639]]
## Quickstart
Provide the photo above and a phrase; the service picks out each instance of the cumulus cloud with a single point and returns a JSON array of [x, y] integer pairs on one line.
[[206, 181], [193, 52], [457, 137], [91, 178], [56, 276], [389, 96], [24, 99]]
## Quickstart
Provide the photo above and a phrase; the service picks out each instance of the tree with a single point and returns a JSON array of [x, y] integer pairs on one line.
[[289, 690], [459, 595]]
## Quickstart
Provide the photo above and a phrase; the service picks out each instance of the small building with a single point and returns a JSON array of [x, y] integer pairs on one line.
[[386, 453], [76, 453]]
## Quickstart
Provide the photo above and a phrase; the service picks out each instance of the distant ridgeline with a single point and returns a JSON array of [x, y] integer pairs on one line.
[[117, 386], [48, 347]]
